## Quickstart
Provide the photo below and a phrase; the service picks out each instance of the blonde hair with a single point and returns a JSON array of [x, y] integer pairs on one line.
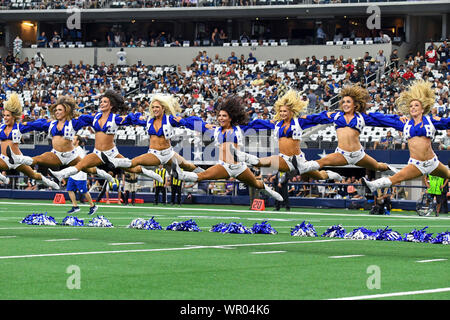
[[359, 95], [169, 103], [14, 106], [69, 105], [293, 100], [419, 90]]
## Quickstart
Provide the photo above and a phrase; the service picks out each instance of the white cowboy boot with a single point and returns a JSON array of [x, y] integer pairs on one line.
[[105, 175], [334, 175], [272, 193], [18, 158], [4, 179], [64, 173], [377, 184], [152, 174], [116, 162], [49, 183], [240, 156]]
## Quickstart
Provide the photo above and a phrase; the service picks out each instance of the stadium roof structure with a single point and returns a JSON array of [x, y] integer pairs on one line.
[[432, 7]]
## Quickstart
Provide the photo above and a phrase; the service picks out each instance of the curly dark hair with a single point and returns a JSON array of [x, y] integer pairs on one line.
[[235, 107], [116, 100]]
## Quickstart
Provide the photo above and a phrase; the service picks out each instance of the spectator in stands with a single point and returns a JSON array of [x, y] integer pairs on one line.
[[394, 57], [444, 52], [383, 198], [121, 57], [39, 60], [251, 59], [320, 35], [232, 59], [384, 37], [386, 142], [444, 144], [430, 57], [215, 37], [9, 61], [367, 57], [409, 74], [42, 40], [17, 46], [312, 99], [381, 61], [56, 40]]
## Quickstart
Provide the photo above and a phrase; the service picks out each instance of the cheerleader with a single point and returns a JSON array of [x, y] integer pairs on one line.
[[105, 123], [10, 136], [160, 127], [287, 131], [232, 119], [349, 122], [419, 129], [62, 130]]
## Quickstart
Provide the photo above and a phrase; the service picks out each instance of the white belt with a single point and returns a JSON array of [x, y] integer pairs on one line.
[[163, 153]]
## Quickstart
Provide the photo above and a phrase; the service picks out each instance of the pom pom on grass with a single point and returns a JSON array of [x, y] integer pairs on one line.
[[305, 229]]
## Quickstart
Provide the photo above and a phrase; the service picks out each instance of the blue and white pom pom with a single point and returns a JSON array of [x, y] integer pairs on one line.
[[263, 228], [137, 223], [361, 233], [336, 231], [189, 225], [39, 219], [388, 235], [305, 229], [100, 221], [442, 238], [231, 227], [72, 221], [418, 236], [143, 224]]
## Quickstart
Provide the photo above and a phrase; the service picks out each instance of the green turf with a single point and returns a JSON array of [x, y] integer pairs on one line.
[[204, 265]]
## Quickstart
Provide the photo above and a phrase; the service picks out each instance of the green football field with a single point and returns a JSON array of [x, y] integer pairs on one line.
[[61, 262]]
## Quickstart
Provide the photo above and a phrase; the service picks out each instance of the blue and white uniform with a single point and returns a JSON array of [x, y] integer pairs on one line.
[[235, 135], [427, 128], [15, 135], [68, 131], [358, 122], [166, 130], [110, 127], [294, 131]]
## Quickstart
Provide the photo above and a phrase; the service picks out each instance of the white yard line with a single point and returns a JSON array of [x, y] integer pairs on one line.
[[431, 260], [391, 217], [124, 243], [347, 256], [7, 237], [266, 252], [56, 240], [394, 294], [163, 249]]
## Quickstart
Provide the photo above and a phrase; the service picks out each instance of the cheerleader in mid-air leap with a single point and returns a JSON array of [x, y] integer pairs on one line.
[[10, 136], [62, 130], [232, 119], [287, 130], [160, 127], [349, 123], [420, 130], [105, 123]]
